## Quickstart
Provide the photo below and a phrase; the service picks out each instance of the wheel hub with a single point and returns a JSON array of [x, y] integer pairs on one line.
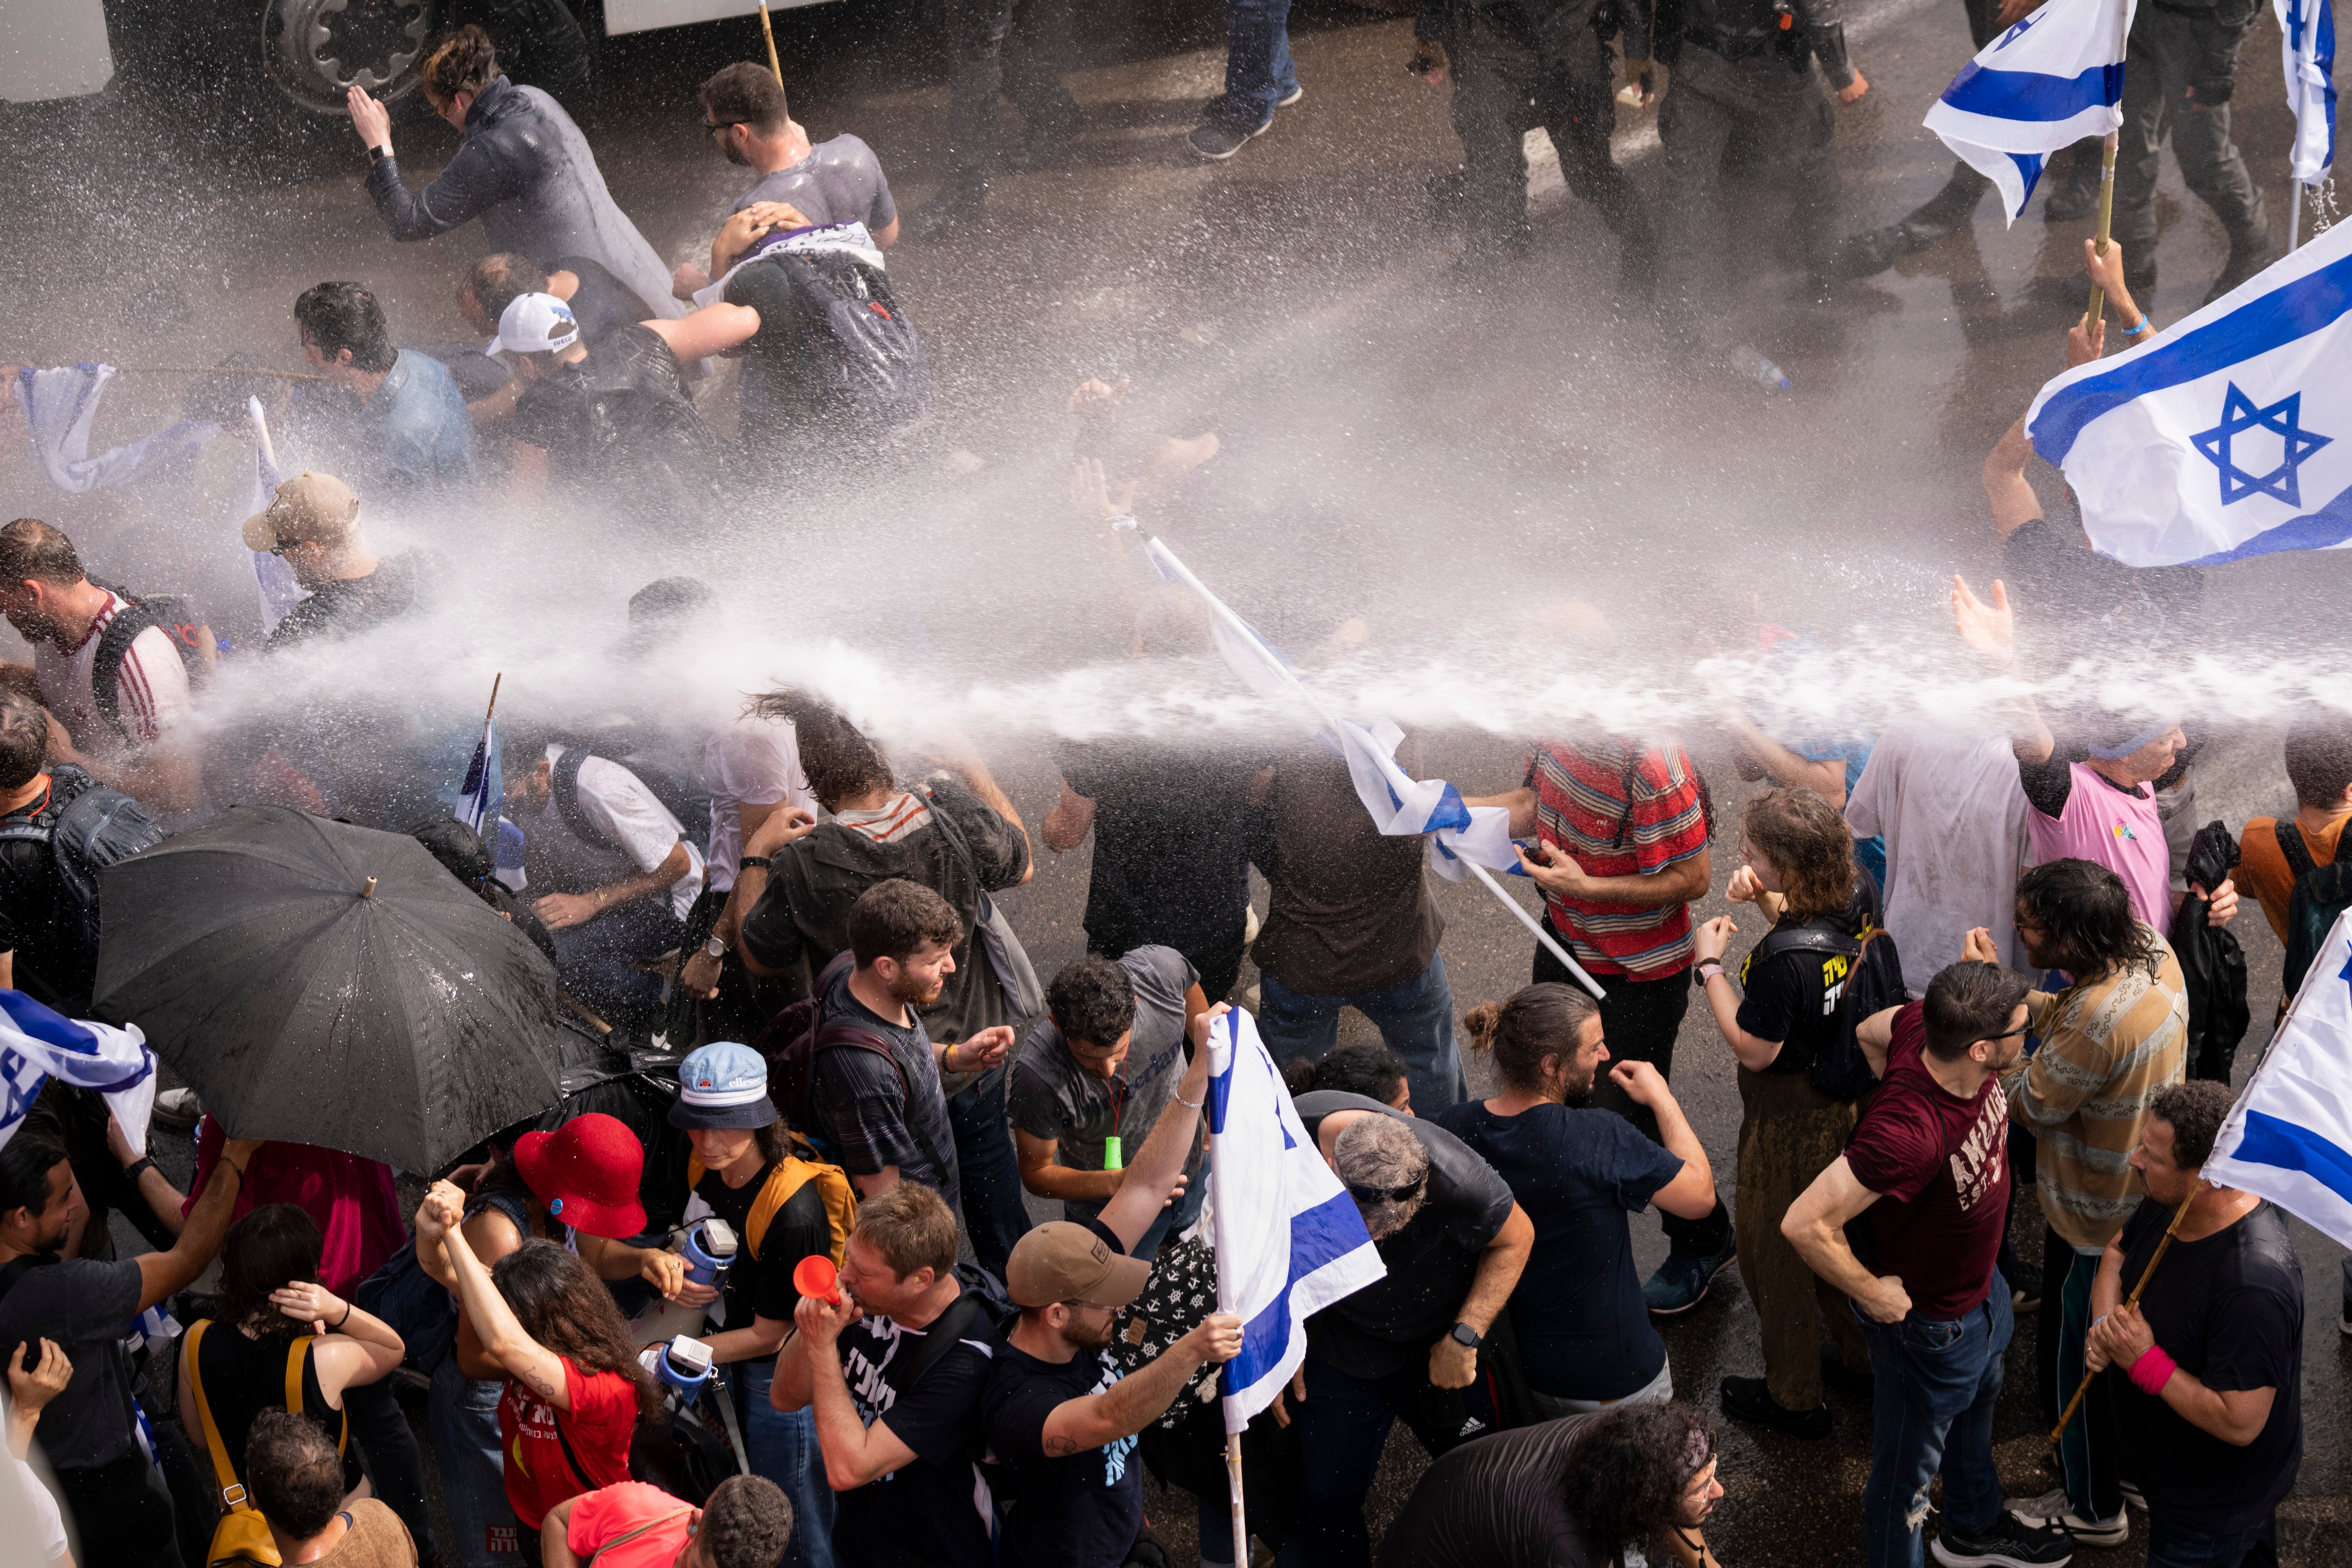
[[315, 50]]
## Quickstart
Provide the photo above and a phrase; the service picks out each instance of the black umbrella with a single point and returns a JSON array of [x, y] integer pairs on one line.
[[328, 984]]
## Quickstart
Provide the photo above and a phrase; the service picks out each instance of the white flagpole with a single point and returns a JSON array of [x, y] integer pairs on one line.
[[2295, 216]]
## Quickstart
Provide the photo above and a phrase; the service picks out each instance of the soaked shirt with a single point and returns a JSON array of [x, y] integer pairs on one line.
[[840, 181]]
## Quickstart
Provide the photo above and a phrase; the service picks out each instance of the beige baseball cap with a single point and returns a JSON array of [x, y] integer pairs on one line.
[[1058, 1262], [313, 509]]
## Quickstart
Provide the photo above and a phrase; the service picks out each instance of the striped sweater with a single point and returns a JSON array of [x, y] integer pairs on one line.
[[2108, 1046]]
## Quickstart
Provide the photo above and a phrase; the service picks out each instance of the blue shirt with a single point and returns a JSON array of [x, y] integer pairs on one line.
[[414, 436]]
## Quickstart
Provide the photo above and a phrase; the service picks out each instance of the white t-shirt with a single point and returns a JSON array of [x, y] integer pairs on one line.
[[1954, 815], [151, 688], [752, 761], [40, 1516], [616, 803]]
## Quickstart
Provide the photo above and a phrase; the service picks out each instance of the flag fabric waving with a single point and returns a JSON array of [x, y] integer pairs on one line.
[[482, 793], [38, 1043], [2046, 83], [59, 405], [279, 590], [1289, 1240], [2289, 1137], [2227, 437], [2307, 48]]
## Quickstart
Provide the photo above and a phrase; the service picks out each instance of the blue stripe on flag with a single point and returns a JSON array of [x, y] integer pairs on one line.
[[2271, 1142], [47, 1025], [2032, 95], [2328, 527], [2029, 170], [1324, 1233]]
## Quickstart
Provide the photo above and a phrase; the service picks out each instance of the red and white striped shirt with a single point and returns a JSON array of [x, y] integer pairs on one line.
[[150, 689]]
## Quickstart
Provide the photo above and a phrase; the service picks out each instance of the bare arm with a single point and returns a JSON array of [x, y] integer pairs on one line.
[[1990, 629], [554, 1536], [2011, 498], [1158, 1167], [853, 1452], [1519, 803], [875, 1186], [493, 1324], [162, 1273], [665, 1271], [887, 236], [1041, 1176], [755, 1343], [1826, 779], [1131, 1404], [1068, 824], [1555, 870], [712, 329], [1691, 1195], [1875, 1035], [1815, 1226], [163, 1200], [1499, 1267], [2236, 1415], [1723, 1005]]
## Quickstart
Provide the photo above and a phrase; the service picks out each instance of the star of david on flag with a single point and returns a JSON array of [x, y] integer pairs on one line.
[[2219, 440]]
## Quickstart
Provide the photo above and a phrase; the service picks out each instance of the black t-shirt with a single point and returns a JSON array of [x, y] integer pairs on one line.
[[1792, 997], [1582, 1330], [2229, 1310], [1172, 858], [618, 424], [935, 1512], [862, 1107], [1500, 1500], [49, 962], [762, 1286], [1078, 1511], [602, 304], [353, 605], [88, 1308], [1387, 1325]]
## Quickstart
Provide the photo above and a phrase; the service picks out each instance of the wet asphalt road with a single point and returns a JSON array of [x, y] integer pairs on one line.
[[1508, 422]]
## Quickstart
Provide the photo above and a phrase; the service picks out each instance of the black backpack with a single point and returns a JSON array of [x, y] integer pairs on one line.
[[844, 347], [680, 795], [1872, 982], [801, 1033], [191, 639], [88, 827], [2322, 893]]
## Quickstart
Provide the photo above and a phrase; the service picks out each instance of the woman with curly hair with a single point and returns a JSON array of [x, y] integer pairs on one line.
[[1584, 1492], [1800, 873]]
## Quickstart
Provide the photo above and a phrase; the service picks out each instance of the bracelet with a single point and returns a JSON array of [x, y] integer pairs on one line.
[[1191, 1104], [2153, 1371], [2145, 323], [346, 1318], [235, 1166], [1125, 523], [747, 861], [131, 1172]]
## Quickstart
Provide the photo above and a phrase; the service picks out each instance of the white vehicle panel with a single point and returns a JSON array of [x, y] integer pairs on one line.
[[52, 48], [642, 15]]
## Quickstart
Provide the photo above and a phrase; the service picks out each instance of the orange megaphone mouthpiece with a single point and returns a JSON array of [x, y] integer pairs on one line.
[[816, 1275]]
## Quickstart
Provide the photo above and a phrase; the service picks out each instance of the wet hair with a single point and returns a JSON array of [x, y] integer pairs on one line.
[[462, 61], [24, 738], [30, 550], [1366, 1067], [499, 281], [26, 1162], [565, 1307], [338, 316], [893, 920], [1381, 1152], [746, 1524], [1628, 1473], [1532, 1023], [2087, 911], [269, 1249], [294, 1471], [840, 761], [911, 1227], [1809, 845], [1968, 1002], [2195, 1112], [2319, 761], [747, 94], [1092, 1001]]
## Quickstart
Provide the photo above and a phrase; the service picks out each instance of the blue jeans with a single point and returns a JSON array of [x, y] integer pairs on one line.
[[991, 1173], [592, 959], [1415, 1018], [463, 1417], [1343, 1424], [1932, 1412], [2171, 1544], [1257, 60], [783, 1448]]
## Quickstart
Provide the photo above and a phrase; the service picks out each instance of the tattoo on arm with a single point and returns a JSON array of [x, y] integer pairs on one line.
[[1060, 1447]]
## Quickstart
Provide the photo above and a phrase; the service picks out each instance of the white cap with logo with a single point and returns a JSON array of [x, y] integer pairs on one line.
[[535, 325]]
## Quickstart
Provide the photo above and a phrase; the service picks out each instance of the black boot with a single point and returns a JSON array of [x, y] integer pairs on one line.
[[1945, 211], [2251, 250]]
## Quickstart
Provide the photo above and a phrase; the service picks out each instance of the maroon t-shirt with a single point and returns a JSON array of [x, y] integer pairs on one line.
[[1939, 1166]]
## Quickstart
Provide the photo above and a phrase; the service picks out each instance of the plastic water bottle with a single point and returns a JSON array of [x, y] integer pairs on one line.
[[683, 1365], [710, 1250], [1751, 365]]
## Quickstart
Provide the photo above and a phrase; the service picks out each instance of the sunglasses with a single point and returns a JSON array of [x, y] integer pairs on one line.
[[2005, 1035], [716, 126], [1390, 1194]]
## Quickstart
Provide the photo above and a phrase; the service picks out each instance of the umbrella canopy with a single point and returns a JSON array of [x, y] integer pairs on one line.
[[323, 984]]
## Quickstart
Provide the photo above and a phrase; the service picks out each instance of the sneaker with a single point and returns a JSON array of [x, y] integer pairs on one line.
[[1288, 99], [1748, 1399], [1218, 139], [177, 1108], [2009, 1543], [2132, 1495], [2051, 1510], [1681, 1282], [2025, 1288], [1211, 108]]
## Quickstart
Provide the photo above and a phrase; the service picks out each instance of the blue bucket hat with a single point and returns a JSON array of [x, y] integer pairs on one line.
[[723, 1084]]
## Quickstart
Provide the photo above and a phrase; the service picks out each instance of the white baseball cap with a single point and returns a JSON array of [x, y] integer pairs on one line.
[[535, 325]]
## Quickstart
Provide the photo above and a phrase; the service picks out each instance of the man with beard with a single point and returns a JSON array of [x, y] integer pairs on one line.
[[88, 1308]]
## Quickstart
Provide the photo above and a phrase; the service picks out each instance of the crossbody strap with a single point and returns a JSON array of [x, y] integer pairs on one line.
[[625, 1539], [945, 1330], [2299, 863], [232, 1490]]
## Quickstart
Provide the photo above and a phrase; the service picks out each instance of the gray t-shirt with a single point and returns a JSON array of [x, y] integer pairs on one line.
[[839, 182], [1053, 1097], [88, 1308]]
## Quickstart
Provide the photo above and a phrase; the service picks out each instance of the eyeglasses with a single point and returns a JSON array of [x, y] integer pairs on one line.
[[1388, 1194], [716, 126], [2005, 1035]]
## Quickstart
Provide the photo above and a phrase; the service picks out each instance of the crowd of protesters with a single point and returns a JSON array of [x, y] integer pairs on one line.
[[864, 1072]]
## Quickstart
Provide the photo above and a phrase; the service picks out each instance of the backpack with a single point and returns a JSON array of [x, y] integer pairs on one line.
[[827, 318], [1868, 971], [801, 1033], [792, 1172], [191, 639], [2322, 894], [680, 796], [243, 1535], [88, 827]]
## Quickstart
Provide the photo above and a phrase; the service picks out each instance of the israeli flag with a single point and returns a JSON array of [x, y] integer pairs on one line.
[[1289, 1241], [482, 793], [2230, 434], [2048, 82], [279, 590], [2289, 1137], [37, 1045], [2307, 46], [59, 405]]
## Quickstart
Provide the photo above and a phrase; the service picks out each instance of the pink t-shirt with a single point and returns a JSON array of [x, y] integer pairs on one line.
[[2107, 827]]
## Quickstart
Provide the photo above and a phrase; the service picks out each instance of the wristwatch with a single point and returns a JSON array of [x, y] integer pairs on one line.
[[714, 949], [1706, 972], [1462, 1334], [378, 154]]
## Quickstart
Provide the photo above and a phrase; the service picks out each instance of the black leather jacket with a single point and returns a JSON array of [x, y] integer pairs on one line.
[[1739, 28]]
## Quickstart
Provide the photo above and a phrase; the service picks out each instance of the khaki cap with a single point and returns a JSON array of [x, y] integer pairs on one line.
[[315, 508], [1058, 1262]]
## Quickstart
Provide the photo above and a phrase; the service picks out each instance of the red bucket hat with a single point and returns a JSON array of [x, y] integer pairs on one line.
[[586, 1173]]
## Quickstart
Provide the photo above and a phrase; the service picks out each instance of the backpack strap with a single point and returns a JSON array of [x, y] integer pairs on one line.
[[631, 1535], [839, 1033], [784, 1183], [945, 1330], [232, 1490], [563, 782], [2299, 863], [114, 647]]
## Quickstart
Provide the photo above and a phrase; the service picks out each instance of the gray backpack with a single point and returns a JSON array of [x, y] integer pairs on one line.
[[88, 827]]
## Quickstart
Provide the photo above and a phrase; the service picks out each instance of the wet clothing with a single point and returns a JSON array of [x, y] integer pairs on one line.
[[840, 181], [595, 1431], [411, 450], [349, 605], [51, 962], [88, 1308], [601, 302], [1349, 911], [1619, 812], [1502, 1501], [2080, 814], [618, 427], [875, 1117], [524, 168], [1793, 995], [2173, 48], [2264, 871], [987, 55]]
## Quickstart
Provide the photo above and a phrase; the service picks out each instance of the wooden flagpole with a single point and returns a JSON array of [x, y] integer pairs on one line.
[[768, 32], [2133, 1300], [2106, 216], [1234, 1483], [493, 708]]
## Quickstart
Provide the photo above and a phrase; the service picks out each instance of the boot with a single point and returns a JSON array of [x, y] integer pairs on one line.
[[1945, 211], [2251, 249], [2079, 197]]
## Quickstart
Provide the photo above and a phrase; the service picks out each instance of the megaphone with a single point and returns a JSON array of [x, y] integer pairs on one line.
[[816, 1275]]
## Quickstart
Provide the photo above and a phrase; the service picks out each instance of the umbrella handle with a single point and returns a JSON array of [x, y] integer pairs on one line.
[[368, 891]]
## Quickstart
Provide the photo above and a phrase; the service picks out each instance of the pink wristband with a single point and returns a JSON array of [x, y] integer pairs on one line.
[[2153, 1371]]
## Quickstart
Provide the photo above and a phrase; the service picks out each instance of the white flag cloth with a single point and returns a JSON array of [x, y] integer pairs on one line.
[[847, 238], [2046, 83], [279, 590], [59, 406], [1289, 1240], [2289, 1137], [2307, 48], [37, 1045], [2227, 437]]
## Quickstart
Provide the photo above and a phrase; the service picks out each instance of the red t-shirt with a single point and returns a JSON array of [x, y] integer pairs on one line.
[[604, 1413], [1940, 1166], [1620, 813], [604, 1517]]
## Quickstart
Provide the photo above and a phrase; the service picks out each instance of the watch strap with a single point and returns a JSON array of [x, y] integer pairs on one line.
[[761, 861]]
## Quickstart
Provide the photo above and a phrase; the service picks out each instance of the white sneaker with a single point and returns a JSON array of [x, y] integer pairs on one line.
[[2051, 1510], [2132, 1495], [177, 1108]]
